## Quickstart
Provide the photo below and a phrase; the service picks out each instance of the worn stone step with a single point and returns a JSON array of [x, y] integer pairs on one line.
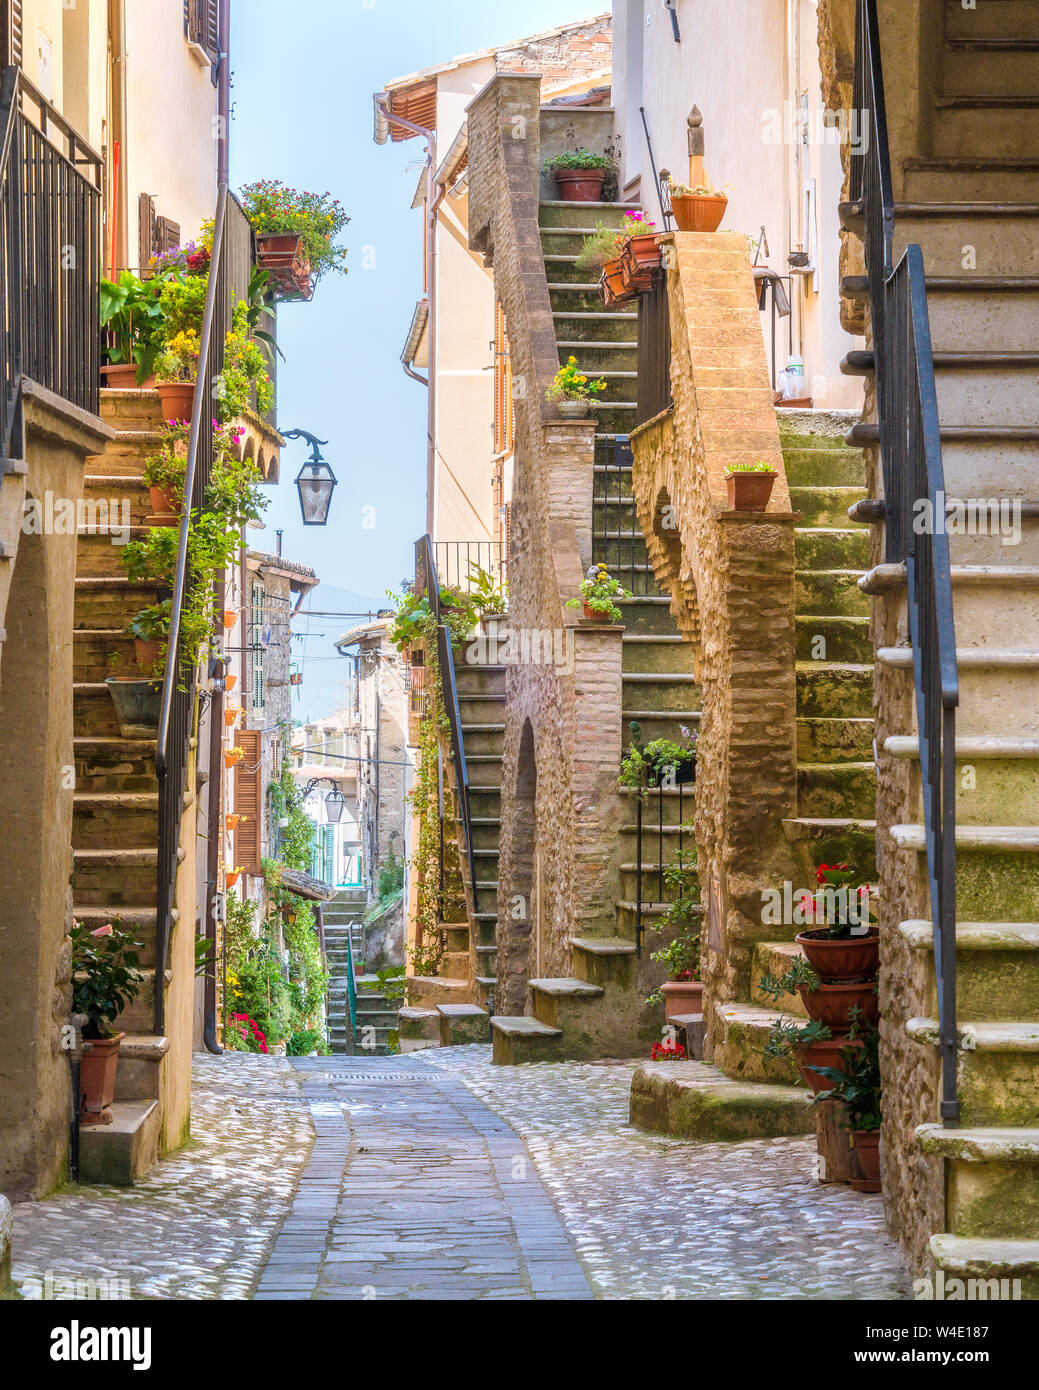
[[1005, 240], [614, 361], [483, 738], [646, 615], [739, 1049], [775, 958], [822, 462], [987, 178], [142, 1058], [656, 653], [996, 778], [115, 764], [93, 711], [834, 740], [110, 601], [833, 639], [132, 408], [100, 653], [967, 1258], [825, 592], [654, 724], [114, 877], [660, 690], [426, 991], [120, 818], [554, 212], [997, 869], [825, 506], [837, 789], [997, 975], [116, 496], [479, 681], [997, 1069], [1009, 20], [609, 961], [560, 266], [460, 1024], [616, 418], [120, 1153], [832, 548], [575, 296], [691, 1100], [141, 920], [519, 1038], [827, 690], [833, 839]]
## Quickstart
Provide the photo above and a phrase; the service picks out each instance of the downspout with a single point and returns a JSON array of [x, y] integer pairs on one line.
[[432, 204], [120, 228]]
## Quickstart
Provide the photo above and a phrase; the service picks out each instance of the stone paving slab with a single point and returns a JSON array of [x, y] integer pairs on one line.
[[437, 1197], [201, 1223], [654, 1217]]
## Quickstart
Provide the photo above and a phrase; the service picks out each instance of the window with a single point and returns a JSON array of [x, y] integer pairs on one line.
[[256, 654], [202, 29]]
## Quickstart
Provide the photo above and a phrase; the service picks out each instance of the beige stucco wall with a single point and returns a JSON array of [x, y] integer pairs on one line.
[[740, 63]]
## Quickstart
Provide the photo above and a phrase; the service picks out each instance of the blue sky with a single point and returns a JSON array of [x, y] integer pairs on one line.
[[304, 75]]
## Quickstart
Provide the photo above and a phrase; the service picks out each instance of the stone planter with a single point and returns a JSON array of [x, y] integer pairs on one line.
[[854, 958], [580, 185], [573, 410], [136, 702], [749, 492], [97, 1069], [698, 212], [682, 997]]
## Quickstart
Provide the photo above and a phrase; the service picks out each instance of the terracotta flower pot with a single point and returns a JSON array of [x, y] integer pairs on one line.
[[832, 1004], [231, 878], [749, 492], [856, 958], [276, 249], [612, 284], [230, 718], [230, 618], [825, 1053], [164, 504], [231, 821], [122, 376], [97, 1070], [867, 1147], [231, 761], [230, 682], [146, 653], [591, 614], [682, 997], [699, 212], [580, 185], [637, 278], [177, 399]]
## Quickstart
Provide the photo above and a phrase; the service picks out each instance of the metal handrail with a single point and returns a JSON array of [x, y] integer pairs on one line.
[[910, 446], [351, 991], [426, 575]]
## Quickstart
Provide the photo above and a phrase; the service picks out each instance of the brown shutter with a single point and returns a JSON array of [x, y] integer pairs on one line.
[[145, 232], [202, 25], [11, 35], [248, 801], [499, 379], [166, 236]]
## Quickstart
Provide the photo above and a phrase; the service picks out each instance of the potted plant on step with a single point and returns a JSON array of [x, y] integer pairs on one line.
[[835, 1003], [846, 944], [131, 313], [809, 1045], [855, 1084], [599, 595], [660, 763], [579, 174], [601, 255], [149, 629], [176, 369], [105, 982], [698, 209], [750, 485], [641, 254], [136, 700], [164, 472], [571, 392], [682, 991]]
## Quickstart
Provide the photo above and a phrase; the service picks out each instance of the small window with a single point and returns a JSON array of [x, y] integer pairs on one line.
[[256, 653]]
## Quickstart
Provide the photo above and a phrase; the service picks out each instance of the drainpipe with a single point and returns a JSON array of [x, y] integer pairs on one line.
[[433, 197], [117, 138], [223, 146]]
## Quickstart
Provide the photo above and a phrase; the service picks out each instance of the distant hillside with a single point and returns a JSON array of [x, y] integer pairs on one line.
[[324, 671]]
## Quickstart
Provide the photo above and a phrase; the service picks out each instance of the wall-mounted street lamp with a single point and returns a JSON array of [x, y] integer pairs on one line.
[[315, 481], [334, 800]]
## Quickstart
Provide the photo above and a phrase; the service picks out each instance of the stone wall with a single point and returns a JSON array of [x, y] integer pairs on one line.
[[562, 746], [731, 579]]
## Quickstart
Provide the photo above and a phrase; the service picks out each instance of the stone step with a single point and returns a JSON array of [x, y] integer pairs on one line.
[[739, 1048], [834, 592], [974, 65], [987, 178], [822, 465], [834, 740], [115, 764], [966, 310], [100, 553], [426, 991], [114, 878], [995, 777], [615, 361], [574, 296], [656, 653], [836, 789], [968, 1258], [123, 497], [140, 1016], [120, 1153], [997, 1069], [141, 1069], [477, 682], [833, 639], [775, 958], [483, 738], [647, 615], [691, 1100], [132, 408], [971, 124], [554, 212], [990, 1179], [102, 652], [599, 326], [654, 724], [668, 692], [110, 602], [139, 919], [462, 1023], [990, 679], [615, 418], [120, 818], [518, 1038], [827, 690], [829, 840], [997, 868], [832, 548], [997, 975], [1010, 20], [825, 506], [1005, 239], [610, 962]]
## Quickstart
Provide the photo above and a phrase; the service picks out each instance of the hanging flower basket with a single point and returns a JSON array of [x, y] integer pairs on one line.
[[295, 678], [230, 682], [230, 618], [282, 256], [233, 756], [639, 259], [231, 821], [231, 877], [230, 718], [613, 285]]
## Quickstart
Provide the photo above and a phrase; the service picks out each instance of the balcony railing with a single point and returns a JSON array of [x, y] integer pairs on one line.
[[457, 562], [654, 351], [50, 256]]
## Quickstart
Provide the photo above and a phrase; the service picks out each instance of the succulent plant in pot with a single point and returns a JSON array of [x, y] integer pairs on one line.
[[750, 485]]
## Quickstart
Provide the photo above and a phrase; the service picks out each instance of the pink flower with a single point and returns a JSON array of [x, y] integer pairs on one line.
[[106, 930]]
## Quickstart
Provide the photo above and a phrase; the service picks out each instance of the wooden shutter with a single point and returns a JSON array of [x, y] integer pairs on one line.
[[11, 34], [248, 800], [145, 232], [502, 385], [202, 25]]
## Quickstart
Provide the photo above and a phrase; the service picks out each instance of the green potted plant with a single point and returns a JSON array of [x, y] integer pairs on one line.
[[808, 1044], [571, 392], [600, 254], [164, 471], [599, 595], [835, 1003], [580, 174], [750, 485], [149, 629], [176, 369], [855, 1084], [641, 255], [682, 991], [845, 945], [660, 762], [697, 209], [296, 236], [105, 982], [130, 310]]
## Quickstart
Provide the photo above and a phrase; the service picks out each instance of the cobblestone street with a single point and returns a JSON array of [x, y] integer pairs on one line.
[[436, 1175]]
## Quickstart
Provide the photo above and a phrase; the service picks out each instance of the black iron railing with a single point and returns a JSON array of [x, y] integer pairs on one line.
[[228, 284], [50, 257], [654, 829], [654, 353], [617, 541], [457, 561], [910, 446], [427, 582]]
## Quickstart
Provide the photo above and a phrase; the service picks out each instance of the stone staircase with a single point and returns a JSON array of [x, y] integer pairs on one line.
[[115, 803], [601, 1010], [985, 331], [447, 1007], [342, 919]]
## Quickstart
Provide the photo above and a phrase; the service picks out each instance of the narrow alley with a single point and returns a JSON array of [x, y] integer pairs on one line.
[[434, 1175]]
